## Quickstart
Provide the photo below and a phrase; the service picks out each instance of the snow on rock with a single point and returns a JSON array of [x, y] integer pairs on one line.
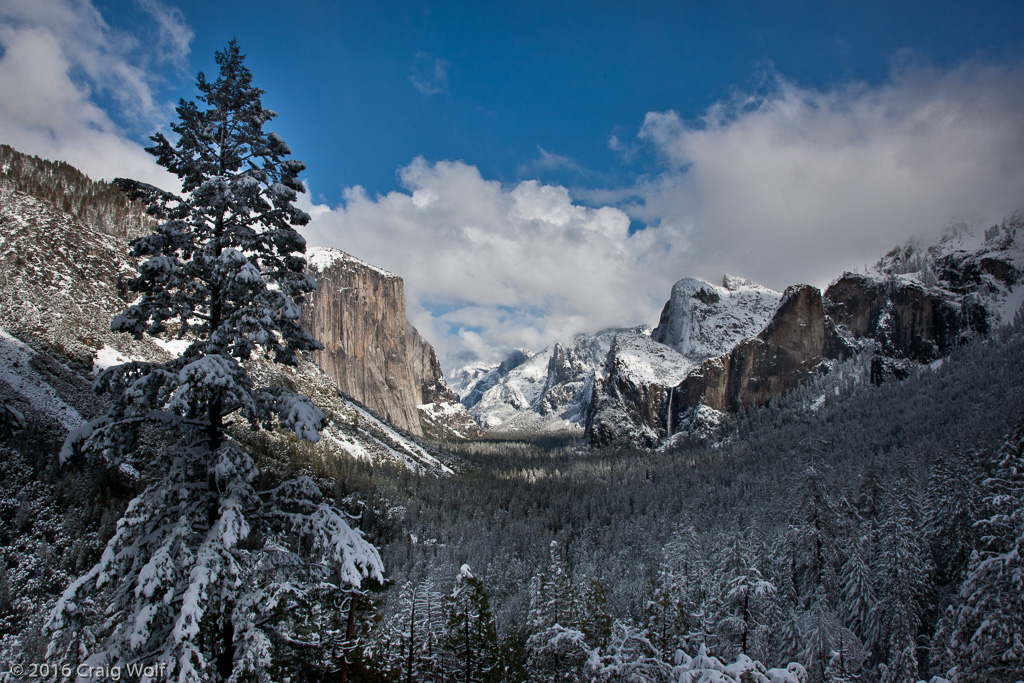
[[20, 373], [701, 320], [544, 392], [322, 258], [405, 450], [446, 421], [632, 397]]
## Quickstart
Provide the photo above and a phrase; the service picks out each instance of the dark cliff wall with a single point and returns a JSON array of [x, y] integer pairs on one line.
[[775, 361]]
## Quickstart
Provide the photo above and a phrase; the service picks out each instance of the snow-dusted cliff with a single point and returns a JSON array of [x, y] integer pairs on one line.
[[614, 385], [545, 392], [61, 283], [373, 353], [701, 320]]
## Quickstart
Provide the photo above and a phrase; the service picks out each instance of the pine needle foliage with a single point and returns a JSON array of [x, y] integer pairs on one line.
[[211, 575]]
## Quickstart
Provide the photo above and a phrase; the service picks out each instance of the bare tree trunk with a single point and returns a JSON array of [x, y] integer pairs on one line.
[[350, 631]]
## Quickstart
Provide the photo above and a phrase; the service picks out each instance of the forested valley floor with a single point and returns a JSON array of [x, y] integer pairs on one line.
[[838, 527], [865, 533]]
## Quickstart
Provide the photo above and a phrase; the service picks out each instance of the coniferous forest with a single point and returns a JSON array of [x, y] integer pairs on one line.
[[844, 532]]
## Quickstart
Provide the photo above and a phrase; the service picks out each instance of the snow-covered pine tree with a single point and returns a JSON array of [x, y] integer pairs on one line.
[[743, 598], [556, 600], [951, 508], [816, 528], [556, 649], [471, 636], [859, 600], [207, 574], [902, 574], [595, 622], [416, 632], [988, 632]]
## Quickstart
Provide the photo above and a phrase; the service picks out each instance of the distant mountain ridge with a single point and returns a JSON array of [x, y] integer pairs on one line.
[[543, 392], [724, 348], [601, 384]]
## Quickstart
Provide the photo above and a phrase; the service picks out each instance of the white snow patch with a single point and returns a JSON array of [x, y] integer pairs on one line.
[[322, 258], [1011, 304], [107, 357], [175, 347], [414, 456], [16, 371]]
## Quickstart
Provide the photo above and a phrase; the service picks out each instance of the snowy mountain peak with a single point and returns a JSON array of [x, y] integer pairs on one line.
[[544, 392], [322, 258], [700, 320]]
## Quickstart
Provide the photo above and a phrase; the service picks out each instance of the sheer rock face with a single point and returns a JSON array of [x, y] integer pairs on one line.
[[370, 350], [632, 396], [906, 318], [778, 359]]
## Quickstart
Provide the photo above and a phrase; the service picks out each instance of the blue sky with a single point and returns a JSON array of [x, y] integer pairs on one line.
[[363, 88], [551, 168]]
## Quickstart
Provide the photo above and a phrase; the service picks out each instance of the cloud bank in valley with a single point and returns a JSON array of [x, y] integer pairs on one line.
[[62, 67], [784, 186]]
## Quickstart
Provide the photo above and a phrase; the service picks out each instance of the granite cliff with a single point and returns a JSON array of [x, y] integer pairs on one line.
[[914, 307], [797, 338], [746, 346], [373, 353]]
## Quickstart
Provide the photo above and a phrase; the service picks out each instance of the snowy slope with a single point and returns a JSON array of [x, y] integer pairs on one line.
[[966, 260], [640, 359], [59, 288], [546, 392]]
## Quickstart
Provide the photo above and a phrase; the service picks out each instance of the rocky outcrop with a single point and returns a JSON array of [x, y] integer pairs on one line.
[[701, 320], [907, 319], [632, 396], [369, 348], [546, 392], [471, 382], [778, 359]]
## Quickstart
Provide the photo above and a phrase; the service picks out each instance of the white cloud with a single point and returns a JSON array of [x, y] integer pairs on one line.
[[800, 184], [58, 58], [520, 266], [548, 161], [793, 186]]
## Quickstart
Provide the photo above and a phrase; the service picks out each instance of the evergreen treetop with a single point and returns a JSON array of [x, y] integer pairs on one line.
[[212, 573]]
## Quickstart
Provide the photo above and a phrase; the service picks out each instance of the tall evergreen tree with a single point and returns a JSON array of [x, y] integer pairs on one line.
[[816, 532], [206, 572], [555, 601], [951, 508], [901, 580], [859, 600], [471, 635], [988, 635]]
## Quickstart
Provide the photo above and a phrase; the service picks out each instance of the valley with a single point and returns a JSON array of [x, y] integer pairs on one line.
[[765, 483]]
